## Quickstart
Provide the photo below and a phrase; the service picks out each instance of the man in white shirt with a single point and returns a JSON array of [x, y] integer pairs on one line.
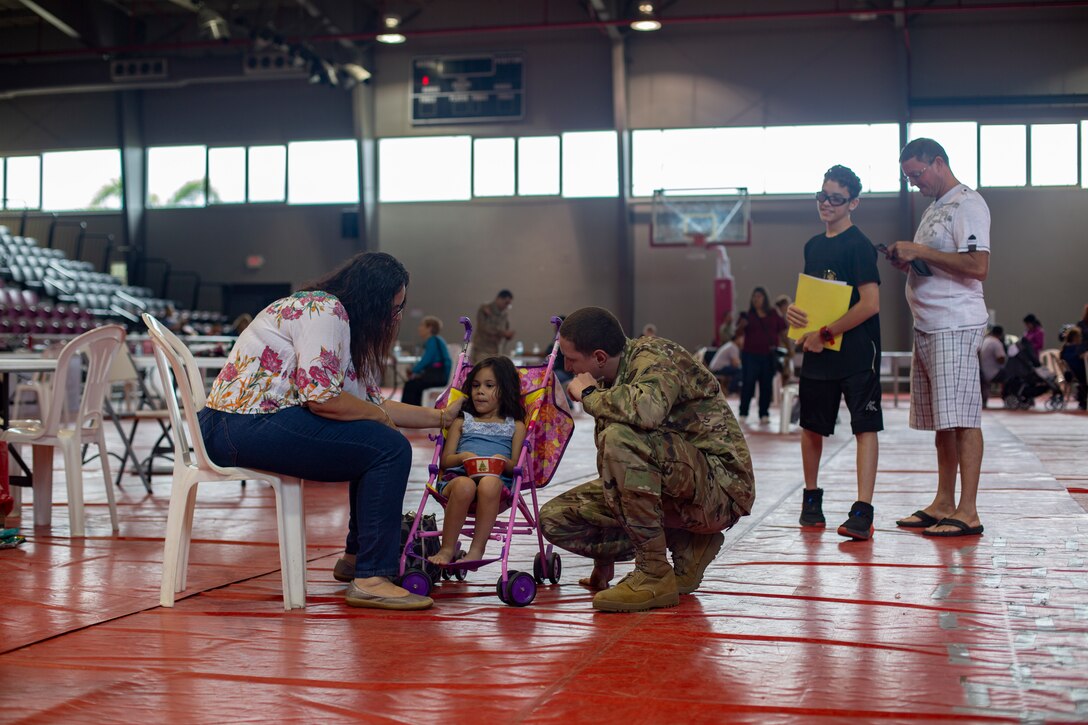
[[946, 265]]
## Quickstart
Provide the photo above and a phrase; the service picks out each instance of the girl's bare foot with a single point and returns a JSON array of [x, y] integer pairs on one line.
[[444, 556], [474, 555], [601, 575]]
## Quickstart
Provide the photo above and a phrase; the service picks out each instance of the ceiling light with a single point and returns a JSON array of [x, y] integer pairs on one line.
[[390, 30], [212, 25], [646, 20]]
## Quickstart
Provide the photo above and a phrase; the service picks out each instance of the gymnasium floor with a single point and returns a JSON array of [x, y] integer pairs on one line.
[[789, 626]]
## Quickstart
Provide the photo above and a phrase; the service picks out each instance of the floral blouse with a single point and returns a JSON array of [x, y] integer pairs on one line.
[[296, 351]]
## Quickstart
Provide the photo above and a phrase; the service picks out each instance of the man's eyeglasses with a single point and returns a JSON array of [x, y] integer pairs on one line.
[[913, 176], [398, 310], [832, 199]]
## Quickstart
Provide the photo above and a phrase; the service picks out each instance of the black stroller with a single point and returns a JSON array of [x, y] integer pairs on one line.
[[1023, 382]]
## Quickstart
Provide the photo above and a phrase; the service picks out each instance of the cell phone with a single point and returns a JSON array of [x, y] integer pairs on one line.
[[920, 268]]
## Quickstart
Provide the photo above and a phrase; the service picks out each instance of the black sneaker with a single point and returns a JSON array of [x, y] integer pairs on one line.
[[812, 508], [860, 523]]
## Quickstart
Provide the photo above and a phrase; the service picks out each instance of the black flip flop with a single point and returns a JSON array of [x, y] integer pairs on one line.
[[962, 529], [924, 521]]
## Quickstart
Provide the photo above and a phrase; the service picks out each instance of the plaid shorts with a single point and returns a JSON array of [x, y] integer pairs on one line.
[[944, 375]]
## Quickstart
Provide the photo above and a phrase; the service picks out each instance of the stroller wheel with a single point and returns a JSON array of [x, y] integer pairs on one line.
[[1012, 402], [416, 581], [460, 574], [554, 568], [1055, 402], [520, 589], [500, 591]]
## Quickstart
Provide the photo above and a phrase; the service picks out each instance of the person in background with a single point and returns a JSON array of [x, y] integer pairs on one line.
[[649, 330], [492, 326], [433, 368], [726, 363], [1034, 333], [764, 330], [991, 358], [784, 360], [1072, 354]]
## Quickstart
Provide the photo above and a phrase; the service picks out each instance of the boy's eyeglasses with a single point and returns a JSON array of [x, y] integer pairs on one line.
[[399, 309], [832, 199]]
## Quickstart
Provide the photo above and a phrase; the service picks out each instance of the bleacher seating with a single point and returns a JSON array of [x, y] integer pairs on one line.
[[49, 293]]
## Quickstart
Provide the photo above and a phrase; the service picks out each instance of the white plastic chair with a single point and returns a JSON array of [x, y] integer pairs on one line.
[[178, 368], [99, 346], [38, 386]]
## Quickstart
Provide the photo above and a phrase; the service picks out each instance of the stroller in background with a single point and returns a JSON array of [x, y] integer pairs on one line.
[[1023, 381], [549, 426]]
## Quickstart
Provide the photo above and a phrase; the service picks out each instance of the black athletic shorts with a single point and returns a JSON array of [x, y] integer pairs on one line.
[[820, 403]]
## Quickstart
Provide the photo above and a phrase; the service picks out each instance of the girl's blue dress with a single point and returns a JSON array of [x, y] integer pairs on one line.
[[484, 439]]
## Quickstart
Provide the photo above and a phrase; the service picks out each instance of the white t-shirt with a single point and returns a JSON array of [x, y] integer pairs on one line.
[[727, 354], [958, 222], [991, 357]]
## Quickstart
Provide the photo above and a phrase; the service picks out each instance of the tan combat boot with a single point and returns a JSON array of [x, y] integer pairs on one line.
[[692, 563], [638, 592]]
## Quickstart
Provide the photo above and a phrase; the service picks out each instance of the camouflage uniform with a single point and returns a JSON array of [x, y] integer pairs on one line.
[[487, 336], [672, 460]]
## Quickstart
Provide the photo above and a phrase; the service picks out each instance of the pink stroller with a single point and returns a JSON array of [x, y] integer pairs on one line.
[[548, 430]]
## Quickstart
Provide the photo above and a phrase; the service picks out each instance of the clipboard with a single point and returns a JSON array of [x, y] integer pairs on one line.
[[824, 301]]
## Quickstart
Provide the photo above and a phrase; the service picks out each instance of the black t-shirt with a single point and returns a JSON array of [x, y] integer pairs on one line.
[[847, 257]]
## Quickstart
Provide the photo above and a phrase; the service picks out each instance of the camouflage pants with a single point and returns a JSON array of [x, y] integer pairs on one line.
[[657, 489]]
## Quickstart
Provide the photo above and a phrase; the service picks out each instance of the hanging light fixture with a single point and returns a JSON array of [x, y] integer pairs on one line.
[[647, 20], [390, 30]]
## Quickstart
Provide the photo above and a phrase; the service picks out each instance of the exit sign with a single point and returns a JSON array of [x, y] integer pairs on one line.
[[467, 88]]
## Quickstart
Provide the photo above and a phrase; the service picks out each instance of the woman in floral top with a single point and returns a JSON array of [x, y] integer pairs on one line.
[[300, 396]]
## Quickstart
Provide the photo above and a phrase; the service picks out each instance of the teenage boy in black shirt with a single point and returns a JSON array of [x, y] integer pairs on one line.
[[841, 253]]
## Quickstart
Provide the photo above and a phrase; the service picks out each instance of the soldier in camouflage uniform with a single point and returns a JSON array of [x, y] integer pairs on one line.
[[674, 466], [492, 327]]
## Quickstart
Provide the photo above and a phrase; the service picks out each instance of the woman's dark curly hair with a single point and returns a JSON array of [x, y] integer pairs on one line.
[[506, 375], [366, 285]]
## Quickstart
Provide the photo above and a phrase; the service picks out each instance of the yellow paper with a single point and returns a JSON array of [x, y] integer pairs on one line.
[[824, 302]]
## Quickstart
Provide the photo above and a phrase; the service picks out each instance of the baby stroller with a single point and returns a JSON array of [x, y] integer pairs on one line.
[[1023, 380], [549, 426]]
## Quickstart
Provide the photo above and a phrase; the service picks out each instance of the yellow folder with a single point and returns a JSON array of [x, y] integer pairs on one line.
[[824, 301]]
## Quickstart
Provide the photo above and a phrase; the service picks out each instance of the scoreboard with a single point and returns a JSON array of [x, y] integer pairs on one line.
[[467, 88]]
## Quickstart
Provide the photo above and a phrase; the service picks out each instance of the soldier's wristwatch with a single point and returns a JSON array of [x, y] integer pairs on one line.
[[587, 391]]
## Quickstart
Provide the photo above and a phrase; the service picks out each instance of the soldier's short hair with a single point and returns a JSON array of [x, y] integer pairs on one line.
[[594, 328]]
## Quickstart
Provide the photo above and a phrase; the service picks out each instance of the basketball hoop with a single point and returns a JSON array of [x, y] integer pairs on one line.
[[700, 218], [697, 240]]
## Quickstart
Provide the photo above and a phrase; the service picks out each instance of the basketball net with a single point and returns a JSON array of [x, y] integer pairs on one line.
[[698, 240]]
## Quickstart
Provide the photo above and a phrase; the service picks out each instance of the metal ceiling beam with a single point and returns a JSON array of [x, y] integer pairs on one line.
[[51, 19]]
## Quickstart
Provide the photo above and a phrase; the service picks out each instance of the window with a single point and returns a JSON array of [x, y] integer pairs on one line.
[[267, 173], [538, 166], [960, 142], [1084, 154], [493, 167], [81, 180], [720, 158], [323, 172], [1054, 154], [227, 175], [24, 182], [433, 168], [176, 176], [3, 194], [590, 164], [1003, 154]]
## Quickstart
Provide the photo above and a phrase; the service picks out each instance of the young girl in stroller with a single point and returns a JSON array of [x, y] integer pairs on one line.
[[491, 425]]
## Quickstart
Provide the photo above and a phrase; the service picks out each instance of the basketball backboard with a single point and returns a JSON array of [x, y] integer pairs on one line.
[[700, 217]]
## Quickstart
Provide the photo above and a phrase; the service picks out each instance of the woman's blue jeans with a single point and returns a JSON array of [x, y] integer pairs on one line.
[[373, 458]]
